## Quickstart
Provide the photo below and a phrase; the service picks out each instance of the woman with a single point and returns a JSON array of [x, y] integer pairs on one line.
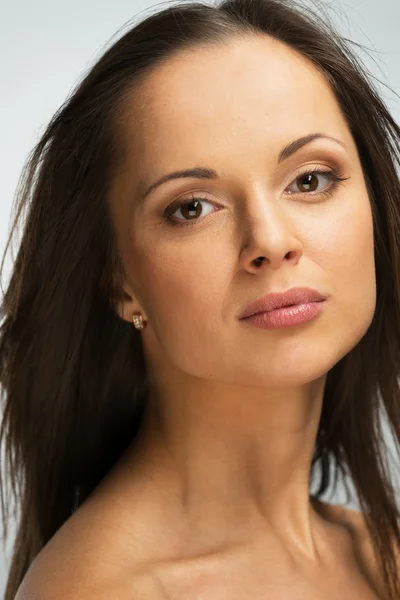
[[213, 156]]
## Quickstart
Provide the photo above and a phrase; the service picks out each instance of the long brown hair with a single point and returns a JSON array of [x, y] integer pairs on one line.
[[73, 372]]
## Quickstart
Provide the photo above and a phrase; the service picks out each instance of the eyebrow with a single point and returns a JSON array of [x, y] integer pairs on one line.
[[206, 173]]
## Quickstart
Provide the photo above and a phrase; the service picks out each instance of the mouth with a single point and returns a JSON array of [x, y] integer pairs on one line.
[[296, 296], [289, 315]]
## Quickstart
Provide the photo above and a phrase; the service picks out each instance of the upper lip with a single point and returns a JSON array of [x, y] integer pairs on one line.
[[274, 300]]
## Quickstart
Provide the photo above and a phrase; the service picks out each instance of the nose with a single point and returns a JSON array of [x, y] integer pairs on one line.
[[269, 238]]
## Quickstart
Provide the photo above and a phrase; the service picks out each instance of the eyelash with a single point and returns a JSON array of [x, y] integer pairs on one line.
[[334, 174]]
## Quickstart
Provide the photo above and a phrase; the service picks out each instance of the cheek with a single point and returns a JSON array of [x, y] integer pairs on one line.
[[350, 265], [185, 281]]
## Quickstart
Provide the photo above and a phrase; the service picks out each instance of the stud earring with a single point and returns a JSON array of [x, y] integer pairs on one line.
[[138, 322]]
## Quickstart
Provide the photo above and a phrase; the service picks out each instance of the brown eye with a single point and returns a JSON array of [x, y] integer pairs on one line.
[[190, 211], [308, 182]]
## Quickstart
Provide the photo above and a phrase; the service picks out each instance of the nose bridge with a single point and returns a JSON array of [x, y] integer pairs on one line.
[[266, 229], [263, 216]]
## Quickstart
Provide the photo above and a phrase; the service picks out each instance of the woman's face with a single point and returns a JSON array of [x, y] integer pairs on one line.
[[233, 110]]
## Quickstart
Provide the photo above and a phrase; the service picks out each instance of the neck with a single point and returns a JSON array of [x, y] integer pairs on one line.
[[234, 466]]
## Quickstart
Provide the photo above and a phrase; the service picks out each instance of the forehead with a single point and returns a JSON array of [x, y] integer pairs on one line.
[[247, 95]]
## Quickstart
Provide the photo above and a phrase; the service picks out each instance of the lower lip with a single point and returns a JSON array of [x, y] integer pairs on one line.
[[287, 316]]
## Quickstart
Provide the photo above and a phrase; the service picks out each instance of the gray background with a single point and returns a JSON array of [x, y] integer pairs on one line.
[[45, 47]]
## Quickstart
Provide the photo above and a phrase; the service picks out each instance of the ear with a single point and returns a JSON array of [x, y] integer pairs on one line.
[[126, 305]]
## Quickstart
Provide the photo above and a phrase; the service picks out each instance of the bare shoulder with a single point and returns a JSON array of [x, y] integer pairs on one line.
[[38, 586], [49, 580], [103, 552], [93, 556], [364, 549]]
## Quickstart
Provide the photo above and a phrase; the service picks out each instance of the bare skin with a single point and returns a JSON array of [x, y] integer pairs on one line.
[[222, 484], [234, 410], [110, 548]]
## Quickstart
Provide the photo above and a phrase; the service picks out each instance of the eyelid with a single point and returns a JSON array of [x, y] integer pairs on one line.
[[315, 166], [334, 174]]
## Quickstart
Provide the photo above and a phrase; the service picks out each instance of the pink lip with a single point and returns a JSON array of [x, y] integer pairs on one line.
[[273, 301], [286, 316]]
